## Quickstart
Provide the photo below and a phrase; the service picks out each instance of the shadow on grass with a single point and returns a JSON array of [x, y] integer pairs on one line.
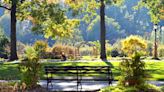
[[108, 63], [9, 72]]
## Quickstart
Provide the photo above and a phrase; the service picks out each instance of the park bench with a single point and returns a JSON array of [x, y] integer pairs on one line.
[[78, 74]]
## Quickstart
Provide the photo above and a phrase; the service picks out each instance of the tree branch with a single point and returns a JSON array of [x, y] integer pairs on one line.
[[5, 7]]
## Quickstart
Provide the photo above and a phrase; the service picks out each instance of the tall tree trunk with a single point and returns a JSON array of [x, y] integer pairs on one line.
[[102, 31], [13, 45]]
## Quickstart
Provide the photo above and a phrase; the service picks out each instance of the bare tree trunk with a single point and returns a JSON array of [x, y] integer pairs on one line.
[[103, 31], [13, 46]]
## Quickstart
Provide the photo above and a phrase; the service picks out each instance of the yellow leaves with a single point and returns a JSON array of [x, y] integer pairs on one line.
[[93, 5], [73, 1], [53, 1], [154, 18], [61, 30], [31, 19], [72, 22], [162, 14], [74, 4], [162, 17], [133, 44]]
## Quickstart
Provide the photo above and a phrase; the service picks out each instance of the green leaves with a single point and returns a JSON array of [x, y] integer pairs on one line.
[[30, 68], [154, 7], [132, 71], [49, 18]]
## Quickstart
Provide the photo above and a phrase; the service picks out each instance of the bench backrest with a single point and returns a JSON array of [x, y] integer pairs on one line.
[[78, 70]]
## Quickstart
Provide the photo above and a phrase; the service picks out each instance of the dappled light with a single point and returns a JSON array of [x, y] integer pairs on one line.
[[81, 45]]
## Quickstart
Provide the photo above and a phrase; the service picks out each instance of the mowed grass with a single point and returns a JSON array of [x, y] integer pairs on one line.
[[154, 68]]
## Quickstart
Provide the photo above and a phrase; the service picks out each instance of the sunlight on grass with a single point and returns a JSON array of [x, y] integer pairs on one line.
[[155, 69]]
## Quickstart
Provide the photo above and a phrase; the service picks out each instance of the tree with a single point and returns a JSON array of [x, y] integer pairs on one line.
[[133, 44], [103, 31], [155, 8], [41, 13], [13, 53], [102, 24], [46, 23], [13, 45], [89, 8]]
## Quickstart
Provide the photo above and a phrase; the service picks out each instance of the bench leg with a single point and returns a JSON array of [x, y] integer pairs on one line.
[[79, 86], [47, 84], [110, 82]]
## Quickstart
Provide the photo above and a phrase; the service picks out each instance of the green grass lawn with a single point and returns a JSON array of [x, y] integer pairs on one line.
[[155, 69]]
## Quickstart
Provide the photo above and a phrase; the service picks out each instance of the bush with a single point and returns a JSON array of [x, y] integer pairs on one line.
[[58, 49], [136, 88], [86, 51], [133, 44], [108, 49], [12, 87], [150, 48], [161, 51], [132, 77], [132, 71], [49, 55], [162, 88], [3, 55], [20, 49], [18, 87], [114, 53], [96, 45], [30, 68], [40, 47]]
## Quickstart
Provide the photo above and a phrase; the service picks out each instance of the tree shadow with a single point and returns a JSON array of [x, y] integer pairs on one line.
[[108, 63]]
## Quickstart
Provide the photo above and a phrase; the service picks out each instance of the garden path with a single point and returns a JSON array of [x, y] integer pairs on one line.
[[87, 86]]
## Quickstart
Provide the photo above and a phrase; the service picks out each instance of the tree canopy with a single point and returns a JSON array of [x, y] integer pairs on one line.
[[155, 8], [48, 16]]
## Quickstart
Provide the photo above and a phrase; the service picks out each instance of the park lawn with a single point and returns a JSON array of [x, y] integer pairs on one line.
[[9, 72], [155, 69]]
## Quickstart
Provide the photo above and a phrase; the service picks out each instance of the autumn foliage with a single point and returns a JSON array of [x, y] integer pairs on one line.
[[133, 44]]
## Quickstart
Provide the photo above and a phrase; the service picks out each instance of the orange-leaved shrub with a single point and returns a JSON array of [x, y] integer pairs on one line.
[[58, 49]]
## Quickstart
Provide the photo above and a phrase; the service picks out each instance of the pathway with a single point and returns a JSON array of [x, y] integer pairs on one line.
[[89, 86]]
